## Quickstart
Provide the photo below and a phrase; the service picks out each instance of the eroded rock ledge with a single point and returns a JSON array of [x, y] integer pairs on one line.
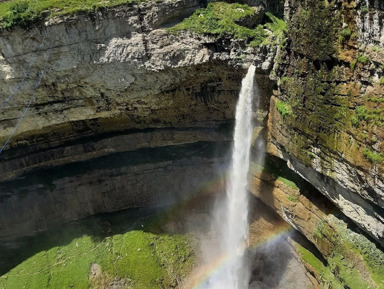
[[115, 83]]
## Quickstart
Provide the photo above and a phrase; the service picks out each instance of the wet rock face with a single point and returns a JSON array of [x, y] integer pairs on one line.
[[326, 118]]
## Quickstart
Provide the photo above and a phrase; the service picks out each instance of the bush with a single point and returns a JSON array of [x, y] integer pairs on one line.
[[20, 13], [284, 108], [345, 35]]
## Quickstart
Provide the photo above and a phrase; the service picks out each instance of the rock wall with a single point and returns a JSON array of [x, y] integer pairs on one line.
[[342, 250], [128, 114], [108, 89], [141, 178], [326, 117]]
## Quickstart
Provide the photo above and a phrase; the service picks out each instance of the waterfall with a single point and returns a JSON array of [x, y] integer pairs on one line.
[[233, 228]]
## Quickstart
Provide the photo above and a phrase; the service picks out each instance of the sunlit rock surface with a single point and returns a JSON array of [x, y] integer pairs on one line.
[[118, 88]]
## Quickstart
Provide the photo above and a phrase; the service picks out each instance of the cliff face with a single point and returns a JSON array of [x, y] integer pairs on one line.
[[130, 114], [326, 118], [116, 88], [107, 72]]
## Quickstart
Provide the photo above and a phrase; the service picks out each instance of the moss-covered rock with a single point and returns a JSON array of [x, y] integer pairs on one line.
[[326, 117], [94, 253], [351, 260]]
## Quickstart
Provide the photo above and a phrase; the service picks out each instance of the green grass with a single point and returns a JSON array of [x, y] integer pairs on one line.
[[221, 19], [373, 257], [284, 108], [141, 258], [377, 99], [327, 279], [278, 28], [311, 259], [25, 12], [317, 233], [350, 249], [293, 199], [288, 183], [346, 273], [372, 156]]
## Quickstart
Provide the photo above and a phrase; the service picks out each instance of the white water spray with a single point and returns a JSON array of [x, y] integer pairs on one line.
[[233, 228]]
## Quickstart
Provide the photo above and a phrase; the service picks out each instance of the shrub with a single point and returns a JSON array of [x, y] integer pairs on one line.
[[284, 108], [20, 13], [345, 35]]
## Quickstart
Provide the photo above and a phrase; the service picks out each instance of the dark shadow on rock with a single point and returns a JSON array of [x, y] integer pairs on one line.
[[98, 227], [269, 259]]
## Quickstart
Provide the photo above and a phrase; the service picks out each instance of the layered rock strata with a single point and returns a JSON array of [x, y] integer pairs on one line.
[[108, 89], [326, 118], [345, 252]]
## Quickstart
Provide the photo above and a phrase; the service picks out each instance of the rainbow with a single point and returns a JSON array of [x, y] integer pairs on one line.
[[201, 278]]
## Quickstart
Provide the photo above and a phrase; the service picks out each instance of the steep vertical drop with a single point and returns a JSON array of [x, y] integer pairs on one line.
[[233, 234]]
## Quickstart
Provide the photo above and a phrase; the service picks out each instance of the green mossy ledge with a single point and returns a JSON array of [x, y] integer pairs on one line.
[[25, 12], [128, 248], [351, 259], [355, 261], [223, 19]]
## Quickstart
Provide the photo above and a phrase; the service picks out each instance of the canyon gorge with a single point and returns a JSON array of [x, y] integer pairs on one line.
[[111, 114]]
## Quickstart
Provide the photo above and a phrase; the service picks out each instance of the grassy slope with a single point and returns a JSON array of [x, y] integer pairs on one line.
[[221, 19], [24, 12], [140, 258]]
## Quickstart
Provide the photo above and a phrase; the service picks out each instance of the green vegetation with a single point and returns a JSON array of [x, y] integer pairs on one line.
[[311, 259], [354, 262], [372, 156], [346, 273], [278, 28], [25, 12], [279, 169], [353, 65], [139, 258], [325, 275], [288, 182], [315, 41], [337, 274], [360, 59], [345, 35], [284, 108], [377, 99], [363, 59], [373, 257], [369, 115], [293, 199], [222, 19], [318, 232]]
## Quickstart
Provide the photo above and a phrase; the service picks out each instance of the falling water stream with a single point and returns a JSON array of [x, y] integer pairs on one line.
[[233, 233]]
